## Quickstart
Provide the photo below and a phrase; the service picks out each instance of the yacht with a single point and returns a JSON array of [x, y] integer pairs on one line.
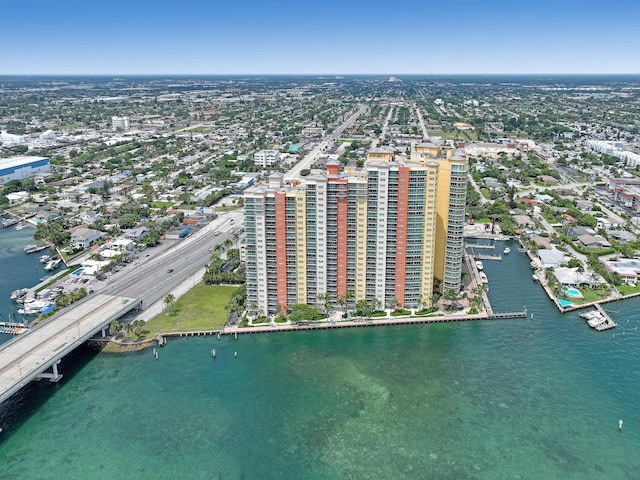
[[479, 265], [52, 265], [35, 248], [506, 250], [483, 277], [44, 258], [20, 293], [7, 222], [534, 265], [596, 320]]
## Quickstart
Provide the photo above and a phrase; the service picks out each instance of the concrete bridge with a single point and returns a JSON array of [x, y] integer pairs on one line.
[[37, 353], [29, 356]]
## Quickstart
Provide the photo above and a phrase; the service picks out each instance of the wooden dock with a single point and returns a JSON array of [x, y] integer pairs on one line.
[[608, 323], [12, 328], [482, 256], [479, 245]]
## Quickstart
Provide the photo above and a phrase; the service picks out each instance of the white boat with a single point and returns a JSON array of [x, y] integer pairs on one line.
[[28, 310], [483, 277], [20, 226], [596, 320], [506, 250], [534, 265], [52, 265], [21, 292], [479, 265], [44, 258]]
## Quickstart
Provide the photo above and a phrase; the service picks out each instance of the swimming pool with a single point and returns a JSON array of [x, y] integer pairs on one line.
[[564, 303], [573, 292], [78, 271]]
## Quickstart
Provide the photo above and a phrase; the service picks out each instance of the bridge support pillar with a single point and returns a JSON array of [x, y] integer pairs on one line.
[[103, 332], [54, 376]]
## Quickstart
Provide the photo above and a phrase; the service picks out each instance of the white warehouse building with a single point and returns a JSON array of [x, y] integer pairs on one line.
[[19, 168]]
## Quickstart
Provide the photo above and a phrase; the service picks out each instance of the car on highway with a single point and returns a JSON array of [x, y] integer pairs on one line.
[[170, 270]]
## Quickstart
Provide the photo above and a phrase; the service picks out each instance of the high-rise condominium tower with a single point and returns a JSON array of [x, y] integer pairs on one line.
[[387, 231]]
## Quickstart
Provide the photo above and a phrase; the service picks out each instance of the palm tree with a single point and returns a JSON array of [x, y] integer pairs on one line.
[[169, 300], [350, 296], [395, 304], [326, 298], [343, 302], [376, 304]]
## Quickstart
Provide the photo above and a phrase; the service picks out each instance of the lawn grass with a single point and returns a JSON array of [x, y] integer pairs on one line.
[[227, 208], [201, 308], [628, 289], [161, 204]]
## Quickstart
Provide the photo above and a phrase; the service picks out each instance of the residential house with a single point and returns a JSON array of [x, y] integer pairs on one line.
[[543, 242], [571, 277], [551, 258], [622, 236], [609, 223], [627, 268], [524, 221], [593, 241], [136, 234], [89, 217], [82, 237]]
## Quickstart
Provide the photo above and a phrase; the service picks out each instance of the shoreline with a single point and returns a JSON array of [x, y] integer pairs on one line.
[[279, 328]]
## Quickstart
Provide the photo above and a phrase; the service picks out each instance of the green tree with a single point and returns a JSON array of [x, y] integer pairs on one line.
[[168, 300]]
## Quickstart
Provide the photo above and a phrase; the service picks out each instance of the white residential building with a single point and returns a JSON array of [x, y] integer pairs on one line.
[[120, 123], [266, 158]]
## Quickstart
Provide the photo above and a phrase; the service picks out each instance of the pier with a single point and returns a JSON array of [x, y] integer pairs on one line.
[[356, 323], [608, 323]]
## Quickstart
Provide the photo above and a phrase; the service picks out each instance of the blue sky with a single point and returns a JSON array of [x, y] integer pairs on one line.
[[330, 37]]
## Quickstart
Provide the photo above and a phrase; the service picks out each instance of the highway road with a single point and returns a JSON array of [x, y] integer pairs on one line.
[[327, 142], [144, 281], [25, 357]]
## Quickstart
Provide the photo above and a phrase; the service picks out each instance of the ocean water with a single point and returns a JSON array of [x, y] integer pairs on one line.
[[534, 398], [17, 269]]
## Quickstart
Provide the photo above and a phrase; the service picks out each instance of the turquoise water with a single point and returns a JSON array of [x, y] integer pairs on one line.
[[564, 303], [534, 398], [572, 291]]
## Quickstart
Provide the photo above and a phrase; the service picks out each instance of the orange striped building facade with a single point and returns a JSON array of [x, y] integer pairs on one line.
[[372, 234]]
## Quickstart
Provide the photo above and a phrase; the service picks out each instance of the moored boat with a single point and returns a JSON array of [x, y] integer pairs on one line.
[[534, 265], [596, 320], [483, 277], [506, 250], [479, 265], [52, 265], [34, 248], [44, 258], [7, 222]]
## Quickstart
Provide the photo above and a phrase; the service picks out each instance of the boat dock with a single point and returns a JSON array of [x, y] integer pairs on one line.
[[12, 328], [482, 256], [608, 323]]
